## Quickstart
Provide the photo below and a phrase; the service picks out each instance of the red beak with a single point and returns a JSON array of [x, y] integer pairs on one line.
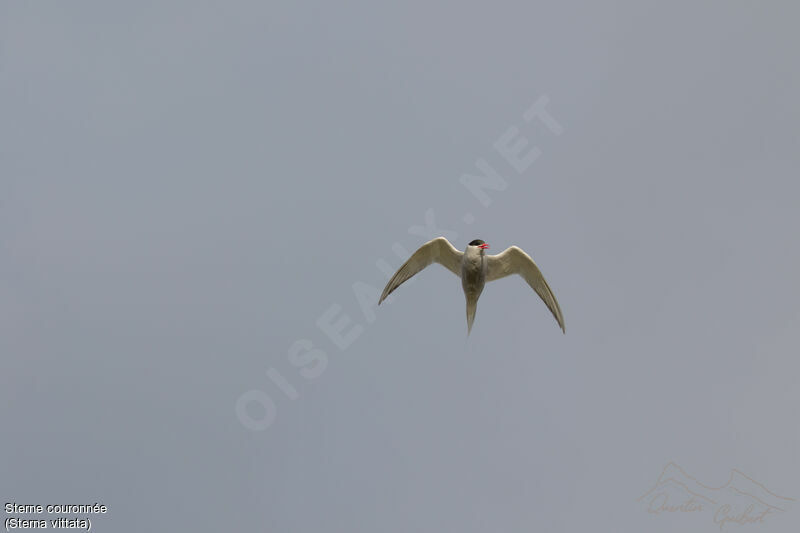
[[484, 246]]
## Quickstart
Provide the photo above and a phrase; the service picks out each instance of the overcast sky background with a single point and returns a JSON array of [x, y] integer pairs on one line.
[[186, 187]]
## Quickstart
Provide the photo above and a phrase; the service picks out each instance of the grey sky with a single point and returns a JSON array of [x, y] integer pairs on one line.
[[186, 187]]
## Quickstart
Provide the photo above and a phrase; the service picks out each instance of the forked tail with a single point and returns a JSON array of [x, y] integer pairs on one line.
[[472, 306]]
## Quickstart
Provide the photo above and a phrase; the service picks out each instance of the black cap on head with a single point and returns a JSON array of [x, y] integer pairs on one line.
[[476, 242]]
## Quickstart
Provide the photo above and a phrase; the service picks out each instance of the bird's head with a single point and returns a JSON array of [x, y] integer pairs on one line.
[[479, 244]]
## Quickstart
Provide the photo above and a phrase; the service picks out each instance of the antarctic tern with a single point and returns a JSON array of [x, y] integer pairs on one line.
[[475, 268]]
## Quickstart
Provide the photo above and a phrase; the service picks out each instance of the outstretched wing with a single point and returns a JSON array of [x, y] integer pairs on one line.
[[514, 261], [438, 250]]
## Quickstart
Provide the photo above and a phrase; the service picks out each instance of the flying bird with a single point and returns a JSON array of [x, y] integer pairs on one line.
[[475, 268]]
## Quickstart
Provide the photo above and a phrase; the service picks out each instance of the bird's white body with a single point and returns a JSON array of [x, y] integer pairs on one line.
[[473, 279], [475, 268]]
